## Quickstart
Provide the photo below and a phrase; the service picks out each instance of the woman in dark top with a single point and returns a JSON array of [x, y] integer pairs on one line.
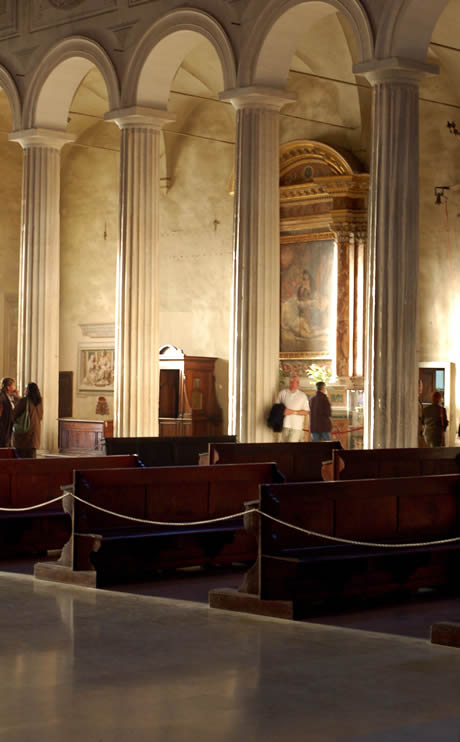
[[435, 421], [26, 443]]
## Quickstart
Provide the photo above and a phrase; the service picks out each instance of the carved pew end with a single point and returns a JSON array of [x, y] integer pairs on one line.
[[228, 599], [446, 633]]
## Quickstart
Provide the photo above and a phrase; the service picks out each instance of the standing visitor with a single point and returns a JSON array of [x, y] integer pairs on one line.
[[435, 421], [8, 400], [296, 407], [320, 414], [27, 418]]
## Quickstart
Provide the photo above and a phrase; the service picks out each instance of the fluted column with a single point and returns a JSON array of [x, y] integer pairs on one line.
[[392, 265], [38, 332], [137, 310], [359, 313], [254, 361], [350, 239], [345, 289]]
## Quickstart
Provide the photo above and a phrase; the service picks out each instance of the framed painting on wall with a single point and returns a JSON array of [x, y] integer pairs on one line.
[[95, 367], [337, 396], [308, 299]]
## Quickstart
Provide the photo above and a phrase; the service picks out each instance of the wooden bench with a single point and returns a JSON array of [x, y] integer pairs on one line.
[[170, 451], [391, 462], [298, 570], [28, 482], [299, 462], [104, 548], [7, 453]]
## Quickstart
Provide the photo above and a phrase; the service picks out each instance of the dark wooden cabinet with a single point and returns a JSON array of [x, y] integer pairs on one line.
[[188, 403], [65, 393], [200, 385]]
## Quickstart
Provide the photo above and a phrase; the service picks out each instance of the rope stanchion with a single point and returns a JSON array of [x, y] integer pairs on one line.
[[306, 531]]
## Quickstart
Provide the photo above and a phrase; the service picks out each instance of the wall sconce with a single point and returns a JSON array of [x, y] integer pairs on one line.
[[439, 194]]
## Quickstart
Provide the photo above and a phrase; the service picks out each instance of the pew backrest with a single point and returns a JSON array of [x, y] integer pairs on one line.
[[7, 453], [26, 482], [165, 451], [394, 462], [174, 494], [405, 509], [299, 462]]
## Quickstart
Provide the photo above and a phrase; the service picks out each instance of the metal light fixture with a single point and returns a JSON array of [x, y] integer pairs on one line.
[[439, 194]]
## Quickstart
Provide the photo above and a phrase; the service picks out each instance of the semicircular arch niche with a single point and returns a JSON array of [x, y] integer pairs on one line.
[[323, 210]]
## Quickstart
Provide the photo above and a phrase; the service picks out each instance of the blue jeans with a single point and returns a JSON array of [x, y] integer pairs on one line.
[[320, 436]]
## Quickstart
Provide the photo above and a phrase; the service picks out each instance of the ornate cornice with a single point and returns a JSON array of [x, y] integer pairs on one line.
[[287, 239], [310, 152]]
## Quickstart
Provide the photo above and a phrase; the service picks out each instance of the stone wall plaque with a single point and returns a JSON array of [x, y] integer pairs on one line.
[[49, 13], [8, 19]]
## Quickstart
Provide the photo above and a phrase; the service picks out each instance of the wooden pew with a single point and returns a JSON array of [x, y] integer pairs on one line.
[[298, 570], [165, 451], [104, 548], [299, 462], [27, 482], [391, 462], [7, 453]]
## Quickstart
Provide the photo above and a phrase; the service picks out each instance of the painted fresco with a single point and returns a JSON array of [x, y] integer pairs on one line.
[[308, 298]]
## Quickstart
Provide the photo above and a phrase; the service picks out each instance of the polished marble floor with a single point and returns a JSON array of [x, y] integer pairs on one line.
[[104, 666]]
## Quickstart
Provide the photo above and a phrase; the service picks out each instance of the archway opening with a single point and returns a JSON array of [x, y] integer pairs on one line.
[[325, 153], [196, 212], [89, 244], [439, 255]]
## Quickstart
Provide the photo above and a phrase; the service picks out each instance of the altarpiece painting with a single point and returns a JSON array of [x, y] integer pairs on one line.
[[308, 298]]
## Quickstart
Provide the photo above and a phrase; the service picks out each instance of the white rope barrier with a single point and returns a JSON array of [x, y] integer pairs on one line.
[[31, 507], [162, 522], [360, 543], [336, 539]]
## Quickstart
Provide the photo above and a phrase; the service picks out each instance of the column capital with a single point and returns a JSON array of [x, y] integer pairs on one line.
[[258, 96], [52, 138], [354, 227], [140, 117], [395, 70]]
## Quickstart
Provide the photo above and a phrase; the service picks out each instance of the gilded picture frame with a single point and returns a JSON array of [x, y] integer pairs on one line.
[[308, 299], [96, 366]]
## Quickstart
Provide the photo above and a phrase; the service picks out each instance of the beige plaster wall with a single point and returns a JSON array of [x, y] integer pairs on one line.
[[196, 240], [332, 105], [89, 239], [439, 269], [10, 222]]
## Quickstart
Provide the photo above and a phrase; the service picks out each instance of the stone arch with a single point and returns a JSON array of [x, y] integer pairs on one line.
[[8, 85], [406, 29], [280, 25], [161, 50], [57, 78]]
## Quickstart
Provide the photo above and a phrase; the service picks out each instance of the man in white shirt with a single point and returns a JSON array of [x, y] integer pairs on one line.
[[297, 408]]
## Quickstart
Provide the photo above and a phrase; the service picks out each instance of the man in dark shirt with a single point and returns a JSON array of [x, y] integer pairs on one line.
[[320, 414], [8, 398]]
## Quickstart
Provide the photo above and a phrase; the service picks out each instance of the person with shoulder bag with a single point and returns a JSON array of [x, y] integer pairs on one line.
[[27, 417]]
